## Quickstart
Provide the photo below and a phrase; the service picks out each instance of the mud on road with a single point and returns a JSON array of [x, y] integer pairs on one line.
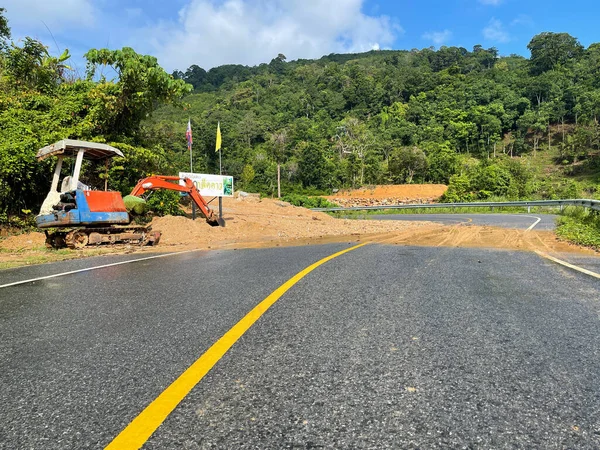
[[253, 222]]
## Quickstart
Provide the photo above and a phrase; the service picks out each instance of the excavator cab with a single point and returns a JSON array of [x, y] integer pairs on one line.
[[74, 203]]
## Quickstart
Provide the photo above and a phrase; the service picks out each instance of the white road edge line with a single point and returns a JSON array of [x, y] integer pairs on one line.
[[87, 269], [569, 265], [536, 222]]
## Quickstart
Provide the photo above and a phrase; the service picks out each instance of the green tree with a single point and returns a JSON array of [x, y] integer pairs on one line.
[[119, 106], [406, 163], [33, 66], [548, 50], [247, 175], [459, 189], [314, 170], [491, 180], [279, 141], [442, 162], [353, 138], [4, 28]]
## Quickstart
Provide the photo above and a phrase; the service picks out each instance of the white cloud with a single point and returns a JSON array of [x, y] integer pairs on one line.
[[255, 31], [438, 37], [522, 19], [58, 15], [490, 2], [495, 31]]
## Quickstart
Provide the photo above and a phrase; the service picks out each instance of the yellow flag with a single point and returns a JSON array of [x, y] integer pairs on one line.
[[218, 146]]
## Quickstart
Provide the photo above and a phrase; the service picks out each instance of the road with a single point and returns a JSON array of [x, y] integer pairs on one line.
[[381, 347], [519, 221]]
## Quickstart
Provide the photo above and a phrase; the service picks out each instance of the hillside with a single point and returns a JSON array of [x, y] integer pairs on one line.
[[487, 125]]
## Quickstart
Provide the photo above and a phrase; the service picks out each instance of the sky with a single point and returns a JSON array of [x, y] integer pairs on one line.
[[210, 33]]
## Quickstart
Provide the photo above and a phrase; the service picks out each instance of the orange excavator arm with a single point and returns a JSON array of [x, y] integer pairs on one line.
[[172, 183]]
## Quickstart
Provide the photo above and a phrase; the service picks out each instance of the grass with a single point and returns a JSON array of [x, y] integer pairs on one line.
[[40, 255], [580, 226], [449, 210]]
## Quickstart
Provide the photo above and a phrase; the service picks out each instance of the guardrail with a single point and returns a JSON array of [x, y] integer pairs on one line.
[[585, 203]]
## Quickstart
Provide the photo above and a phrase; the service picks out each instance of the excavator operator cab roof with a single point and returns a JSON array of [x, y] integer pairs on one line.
[[80, 150], [71, 147]]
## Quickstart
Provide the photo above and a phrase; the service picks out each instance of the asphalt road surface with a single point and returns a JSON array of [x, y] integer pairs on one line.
[[382, 347], [518, 221]]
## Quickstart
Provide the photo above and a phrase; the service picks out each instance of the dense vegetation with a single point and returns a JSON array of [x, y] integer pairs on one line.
[[480, 122], [41, 102], [488, 126]]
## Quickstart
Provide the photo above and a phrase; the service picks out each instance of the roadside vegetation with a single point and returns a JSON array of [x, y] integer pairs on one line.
[[488, 126], [307, 201], [580, 226], [449, 210]]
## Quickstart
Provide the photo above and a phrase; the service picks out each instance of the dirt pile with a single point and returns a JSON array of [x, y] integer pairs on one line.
[[389, 195], [254, 222]]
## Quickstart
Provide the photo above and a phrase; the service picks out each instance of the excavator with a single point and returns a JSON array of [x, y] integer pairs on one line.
[[75, 215]]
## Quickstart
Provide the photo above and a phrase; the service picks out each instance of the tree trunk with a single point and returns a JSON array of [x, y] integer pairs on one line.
[[362, 172], [278, 180]]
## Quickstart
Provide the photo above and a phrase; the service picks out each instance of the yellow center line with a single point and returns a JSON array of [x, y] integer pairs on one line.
[[145, 424], [569, 265]]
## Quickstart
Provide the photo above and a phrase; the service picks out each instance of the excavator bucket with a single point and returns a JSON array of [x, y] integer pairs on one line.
[[214, 221]]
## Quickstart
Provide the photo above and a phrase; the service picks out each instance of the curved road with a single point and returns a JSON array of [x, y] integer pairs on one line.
[[519, 221], [381, 347]]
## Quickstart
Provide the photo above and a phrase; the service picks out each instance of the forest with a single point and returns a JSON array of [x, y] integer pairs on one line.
[[489, 126]]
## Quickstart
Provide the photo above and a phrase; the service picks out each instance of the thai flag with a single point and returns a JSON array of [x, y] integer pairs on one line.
[[188, 135]]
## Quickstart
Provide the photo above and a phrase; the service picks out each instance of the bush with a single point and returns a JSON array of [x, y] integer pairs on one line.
[[308, 202], [580, 226], [571, 189], [459, 190], [165, 202], [492, 180], [24, 222]]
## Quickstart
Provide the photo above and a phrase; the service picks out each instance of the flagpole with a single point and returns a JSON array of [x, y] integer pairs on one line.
[[189, 139], [220, 150], [218, 147], [190, 144]]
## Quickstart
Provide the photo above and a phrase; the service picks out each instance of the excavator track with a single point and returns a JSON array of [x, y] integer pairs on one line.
[[76, 239], [81, 237]]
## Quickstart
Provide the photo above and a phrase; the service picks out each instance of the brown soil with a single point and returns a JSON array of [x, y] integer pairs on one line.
[[463, 235], [251, 223], [21, 242], [389, 195]]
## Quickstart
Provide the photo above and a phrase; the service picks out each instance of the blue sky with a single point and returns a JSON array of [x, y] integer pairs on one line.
[[214, 32]]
